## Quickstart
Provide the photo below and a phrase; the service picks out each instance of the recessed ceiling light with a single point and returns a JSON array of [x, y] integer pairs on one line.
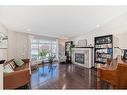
[[98, 25]]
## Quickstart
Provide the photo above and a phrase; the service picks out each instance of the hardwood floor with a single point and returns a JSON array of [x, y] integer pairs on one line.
[[65, 76]]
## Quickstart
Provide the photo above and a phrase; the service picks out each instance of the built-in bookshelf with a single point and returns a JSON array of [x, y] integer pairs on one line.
[[125, 54], [103, 48]]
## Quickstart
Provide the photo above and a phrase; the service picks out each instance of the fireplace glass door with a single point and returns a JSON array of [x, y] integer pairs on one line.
[[79, 58]]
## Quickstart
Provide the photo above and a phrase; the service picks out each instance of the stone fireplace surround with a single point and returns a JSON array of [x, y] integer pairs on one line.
[[88, 56]]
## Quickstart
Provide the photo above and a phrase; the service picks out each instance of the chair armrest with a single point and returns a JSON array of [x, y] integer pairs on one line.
[[16, 79], [108, 75], [102, 72], [26, 60]]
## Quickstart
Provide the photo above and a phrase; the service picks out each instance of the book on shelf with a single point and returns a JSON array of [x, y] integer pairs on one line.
[[103, 48]]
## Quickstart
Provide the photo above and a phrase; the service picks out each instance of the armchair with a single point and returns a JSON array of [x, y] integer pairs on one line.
[[16, 79], [116, 77], [20, 76]]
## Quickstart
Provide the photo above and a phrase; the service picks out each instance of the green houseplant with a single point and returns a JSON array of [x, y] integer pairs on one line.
[[51, 58], [71, 47], [43, 54]]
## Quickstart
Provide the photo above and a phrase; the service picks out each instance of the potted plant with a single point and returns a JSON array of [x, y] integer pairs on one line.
[[72, 51], [71, 47], [43, 54], [50, 59]]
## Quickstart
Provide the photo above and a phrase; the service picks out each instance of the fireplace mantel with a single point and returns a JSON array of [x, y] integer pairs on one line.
[[83, 47], [86, 56]]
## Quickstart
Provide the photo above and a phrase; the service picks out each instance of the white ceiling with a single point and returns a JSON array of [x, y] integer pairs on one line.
[[58, 21]]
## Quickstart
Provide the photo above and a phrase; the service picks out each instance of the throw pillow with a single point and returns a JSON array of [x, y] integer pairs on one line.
[[13, 65], [8, 69], [18, 62]]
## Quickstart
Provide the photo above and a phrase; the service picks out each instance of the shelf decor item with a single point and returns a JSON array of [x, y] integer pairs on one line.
[[103, 48], [3, 40], [82, 43]]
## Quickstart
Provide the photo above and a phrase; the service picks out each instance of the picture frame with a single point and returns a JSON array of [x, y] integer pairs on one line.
[[3, 41], [82, 43]]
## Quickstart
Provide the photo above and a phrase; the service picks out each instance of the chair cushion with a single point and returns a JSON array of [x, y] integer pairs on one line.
[[22, 67], [18, 62]]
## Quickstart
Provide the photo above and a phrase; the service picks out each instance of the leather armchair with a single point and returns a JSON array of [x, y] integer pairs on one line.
[[116, 77], [18, 78]]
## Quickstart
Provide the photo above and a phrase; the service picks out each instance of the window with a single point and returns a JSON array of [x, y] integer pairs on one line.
[[37, 45], [34, 50]]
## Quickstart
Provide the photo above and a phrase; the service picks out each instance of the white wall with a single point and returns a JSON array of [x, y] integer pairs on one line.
[[3, 52], [61, 45], [3, 55], [122, 39], [1, 76], [18, 45], [117, 27]]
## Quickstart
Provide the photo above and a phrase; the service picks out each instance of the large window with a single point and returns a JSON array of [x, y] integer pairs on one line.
[[37, 45]]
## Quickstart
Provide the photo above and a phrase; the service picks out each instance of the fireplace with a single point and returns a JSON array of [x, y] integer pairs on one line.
[[79, 58], [83, 57]]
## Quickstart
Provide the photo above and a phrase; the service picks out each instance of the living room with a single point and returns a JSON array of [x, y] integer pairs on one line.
[[49, 38]]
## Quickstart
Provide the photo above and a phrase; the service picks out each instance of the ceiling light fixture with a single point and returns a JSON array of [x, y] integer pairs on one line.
[[98, 25]]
